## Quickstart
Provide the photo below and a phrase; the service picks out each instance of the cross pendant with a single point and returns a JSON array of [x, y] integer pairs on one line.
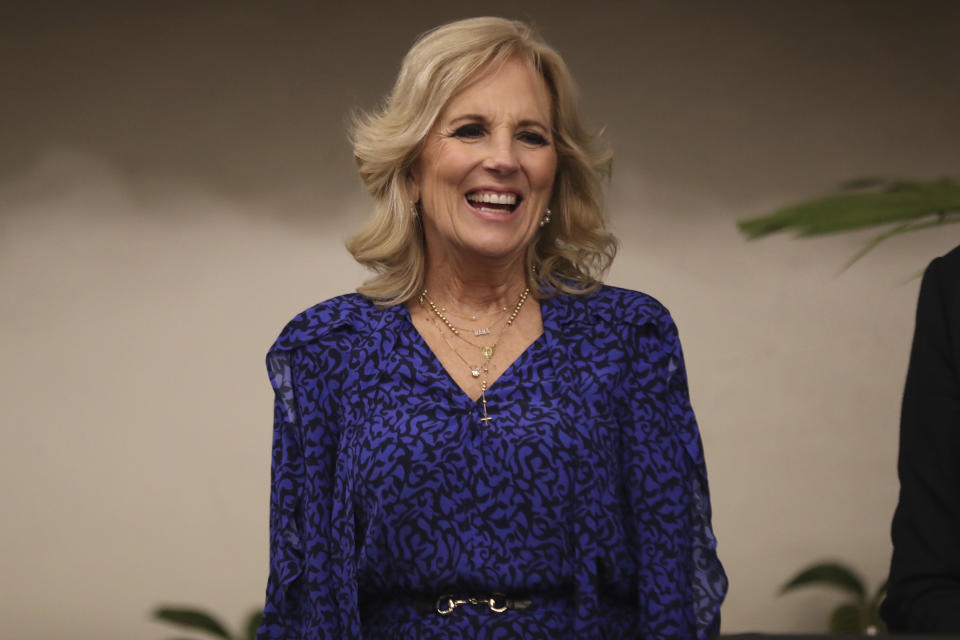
[[483, 399]]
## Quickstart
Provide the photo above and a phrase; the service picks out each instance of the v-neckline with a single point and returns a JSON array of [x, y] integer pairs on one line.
[[420, 343]]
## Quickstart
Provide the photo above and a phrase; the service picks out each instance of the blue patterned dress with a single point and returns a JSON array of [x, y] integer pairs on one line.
[[586, 494]]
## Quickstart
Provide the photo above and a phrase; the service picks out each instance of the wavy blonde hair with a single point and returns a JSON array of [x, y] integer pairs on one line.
[[570, 254]]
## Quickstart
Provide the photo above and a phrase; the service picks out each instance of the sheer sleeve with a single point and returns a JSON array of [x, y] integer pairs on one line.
[[681, 583], [298, 604], [708, 578]]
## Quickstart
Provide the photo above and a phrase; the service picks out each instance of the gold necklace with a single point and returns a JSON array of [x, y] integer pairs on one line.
[[473, 316], [475, 370], [485, 350], [480, 331]]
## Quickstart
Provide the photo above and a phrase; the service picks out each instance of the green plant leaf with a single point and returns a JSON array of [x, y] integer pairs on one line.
[[191, 619], [832, 574], [904, 228], [847, 619], [253, 624], [899, 201]]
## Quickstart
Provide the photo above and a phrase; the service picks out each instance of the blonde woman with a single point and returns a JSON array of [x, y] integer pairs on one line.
[[485, 441]]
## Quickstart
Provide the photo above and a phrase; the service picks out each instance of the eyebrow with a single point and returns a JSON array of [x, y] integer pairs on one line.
[[477, 117]]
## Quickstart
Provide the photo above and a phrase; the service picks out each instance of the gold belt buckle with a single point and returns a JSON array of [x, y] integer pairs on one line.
[[493, 603], [446, 604]]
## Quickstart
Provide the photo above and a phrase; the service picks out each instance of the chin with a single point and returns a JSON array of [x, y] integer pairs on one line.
[[497, 250]]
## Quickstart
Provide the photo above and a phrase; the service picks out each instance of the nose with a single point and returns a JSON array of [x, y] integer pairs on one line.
[[501, 155]]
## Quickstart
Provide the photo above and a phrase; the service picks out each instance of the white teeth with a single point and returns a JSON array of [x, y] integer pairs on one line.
[[493, 197]]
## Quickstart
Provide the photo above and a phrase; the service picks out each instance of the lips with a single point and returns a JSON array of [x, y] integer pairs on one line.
[[490, 201]]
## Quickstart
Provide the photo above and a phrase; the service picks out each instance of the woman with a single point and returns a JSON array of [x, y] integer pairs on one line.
[[485, 442]]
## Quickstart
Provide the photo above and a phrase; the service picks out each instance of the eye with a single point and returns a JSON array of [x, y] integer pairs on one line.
[[472, 130], [533, 138]]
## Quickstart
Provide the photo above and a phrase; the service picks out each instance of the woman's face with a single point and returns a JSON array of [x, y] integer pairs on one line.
[[485, 176]]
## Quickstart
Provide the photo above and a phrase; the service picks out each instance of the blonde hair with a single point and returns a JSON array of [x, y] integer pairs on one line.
[[569, 254]]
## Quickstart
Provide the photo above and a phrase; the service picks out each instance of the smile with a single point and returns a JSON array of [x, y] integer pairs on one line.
[[494, 201]]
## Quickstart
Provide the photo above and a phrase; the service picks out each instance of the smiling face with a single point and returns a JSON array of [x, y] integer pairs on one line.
[[486, 173]]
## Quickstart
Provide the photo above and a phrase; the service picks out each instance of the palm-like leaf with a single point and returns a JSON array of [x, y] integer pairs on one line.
[[896, 202], [190, 618], [831, 574], [866, 202]]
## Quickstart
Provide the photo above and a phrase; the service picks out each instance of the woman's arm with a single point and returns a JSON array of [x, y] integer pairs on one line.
[[681, 581], [300, 599]]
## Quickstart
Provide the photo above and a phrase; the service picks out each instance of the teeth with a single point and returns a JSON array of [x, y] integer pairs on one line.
[[492, 197]]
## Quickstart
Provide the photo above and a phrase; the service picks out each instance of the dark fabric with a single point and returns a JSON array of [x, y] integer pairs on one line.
[[590, 479], [924, 588]]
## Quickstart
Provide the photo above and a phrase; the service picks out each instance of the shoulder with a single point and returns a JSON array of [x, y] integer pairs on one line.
[[945, 267], [614, 307], [347, 315], [624, 306], [951, 258], [940, 287]]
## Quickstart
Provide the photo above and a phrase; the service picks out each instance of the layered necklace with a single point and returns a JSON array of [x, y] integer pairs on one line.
[[473, 317], [482, 370]]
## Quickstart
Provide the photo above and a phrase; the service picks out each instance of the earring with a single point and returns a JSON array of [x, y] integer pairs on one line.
[[545, 219], [414, 210]]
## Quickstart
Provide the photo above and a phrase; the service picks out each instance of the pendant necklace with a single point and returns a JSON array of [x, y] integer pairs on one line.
[[486, 351], [474, 317], [475, 370]]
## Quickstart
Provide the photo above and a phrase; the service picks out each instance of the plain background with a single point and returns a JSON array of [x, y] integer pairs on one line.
[[175, 184]]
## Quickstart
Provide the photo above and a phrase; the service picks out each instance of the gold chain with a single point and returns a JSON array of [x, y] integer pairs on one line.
[[456, 330], [474, 317], [482, 371], [475, 371]]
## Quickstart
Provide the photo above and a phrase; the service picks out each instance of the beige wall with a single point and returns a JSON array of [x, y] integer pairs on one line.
[[175, 184]]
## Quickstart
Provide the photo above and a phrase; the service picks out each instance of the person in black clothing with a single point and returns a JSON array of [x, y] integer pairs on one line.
[[924, 588]]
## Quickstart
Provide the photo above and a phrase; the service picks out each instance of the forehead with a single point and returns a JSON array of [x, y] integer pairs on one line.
[[513, 89]]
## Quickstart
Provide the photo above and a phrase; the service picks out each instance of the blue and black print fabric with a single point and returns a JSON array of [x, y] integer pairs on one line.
[[586, 493]]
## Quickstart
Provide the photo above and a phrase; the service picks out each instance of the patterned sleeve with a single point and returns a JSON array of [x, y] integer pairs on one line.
[[681, 583], [709, 580], [294, 594]]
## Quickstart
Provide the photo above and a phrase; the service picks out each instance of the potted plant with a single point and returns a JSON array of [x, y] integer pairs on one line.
[[861, 614], [198, 620]]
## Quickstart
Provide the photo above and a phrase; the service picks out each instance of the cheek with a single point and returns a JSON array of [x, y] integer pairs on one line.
[[545, 173], [432, 164], [449, 157]]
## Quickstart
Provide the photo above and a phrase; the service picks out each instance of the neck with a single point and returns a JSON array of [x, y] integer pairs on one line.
[[481, 286]]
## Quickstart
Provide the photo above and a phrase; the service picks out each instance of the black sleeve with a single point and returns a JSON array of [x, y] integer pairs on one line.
[[924, 587]]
